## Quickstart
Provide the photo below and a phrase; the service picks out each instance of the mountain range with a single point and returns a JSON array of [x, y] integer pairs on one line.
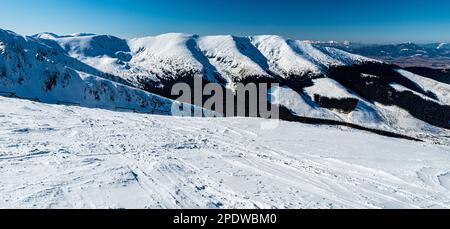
[[318, 83], [431, 55]]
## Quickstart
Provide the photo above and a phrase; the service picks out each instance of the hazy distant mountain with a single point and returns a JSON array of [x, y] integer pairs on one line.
[[436, 55]]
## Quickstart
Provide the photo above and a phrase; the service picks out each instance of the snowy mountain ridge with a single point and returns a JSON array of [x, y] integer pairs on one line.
[[219, 58], [33, 69], [315, 81]]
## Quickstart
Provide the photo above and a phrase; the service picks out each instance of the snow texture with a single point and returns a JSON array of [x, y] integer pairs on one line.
[[54, 156], [441, 90], [33, 70], [218, 58], [105, 71]]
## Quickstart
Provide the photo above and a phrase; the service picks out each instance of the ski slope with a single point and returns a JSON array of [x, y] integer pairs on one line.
[[54, 156]]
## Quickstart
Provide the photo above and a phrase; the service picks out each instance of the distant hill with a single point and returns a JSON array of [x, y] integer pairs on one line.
[[433, 55]]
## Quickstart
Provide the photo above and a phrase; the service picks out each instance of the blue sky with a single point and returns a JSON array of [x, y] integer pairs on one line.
[[366, 21]]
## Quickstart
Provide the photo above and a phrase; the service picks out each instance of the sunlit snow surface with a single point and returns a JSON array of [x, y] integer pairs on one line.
[[219, 58], [70, 157], [441, 90]]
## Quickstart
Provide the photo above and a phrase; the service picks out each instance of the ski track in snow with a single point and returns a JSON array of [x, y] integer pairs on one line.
[[55, 156]]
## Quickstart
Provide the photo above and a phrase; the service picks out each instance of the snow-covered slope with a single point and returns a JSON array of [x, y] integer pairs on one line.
[[89, 45], [216, 58], [298, 104], [106, 53], [70, 156], [374, 115], [297, 58], [171, 56], [282, 59], [31, 69], [402, 88], [441, 90], [55, 156], [364, 113], [235, 58], [329, 88], [318, 81]]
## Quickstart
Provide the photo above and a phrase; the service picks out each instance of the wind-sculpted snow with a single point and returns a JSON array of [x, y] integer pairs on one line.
[[54, 156]]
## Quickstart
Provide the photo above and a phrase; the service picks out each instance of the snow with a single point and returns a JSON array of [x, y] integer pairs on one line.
[[364, 114], [401, 88], [364, 75], [234, 58], [398, 119], [2, 47], [441, 45], [55, 156], [314, 54], [288, 57], [33, 70], [217, 58], [347, 58], [328, 88], [103, 52], [441, 90], [80, 63], [390, 118], [298, 104], [74, 157], [282, 59], [88, 45], [170, 54], [81, 60]]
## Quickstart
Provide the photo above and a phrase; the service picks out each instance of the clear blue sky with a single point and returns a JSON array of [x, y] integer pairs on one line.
[[367, 21]]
